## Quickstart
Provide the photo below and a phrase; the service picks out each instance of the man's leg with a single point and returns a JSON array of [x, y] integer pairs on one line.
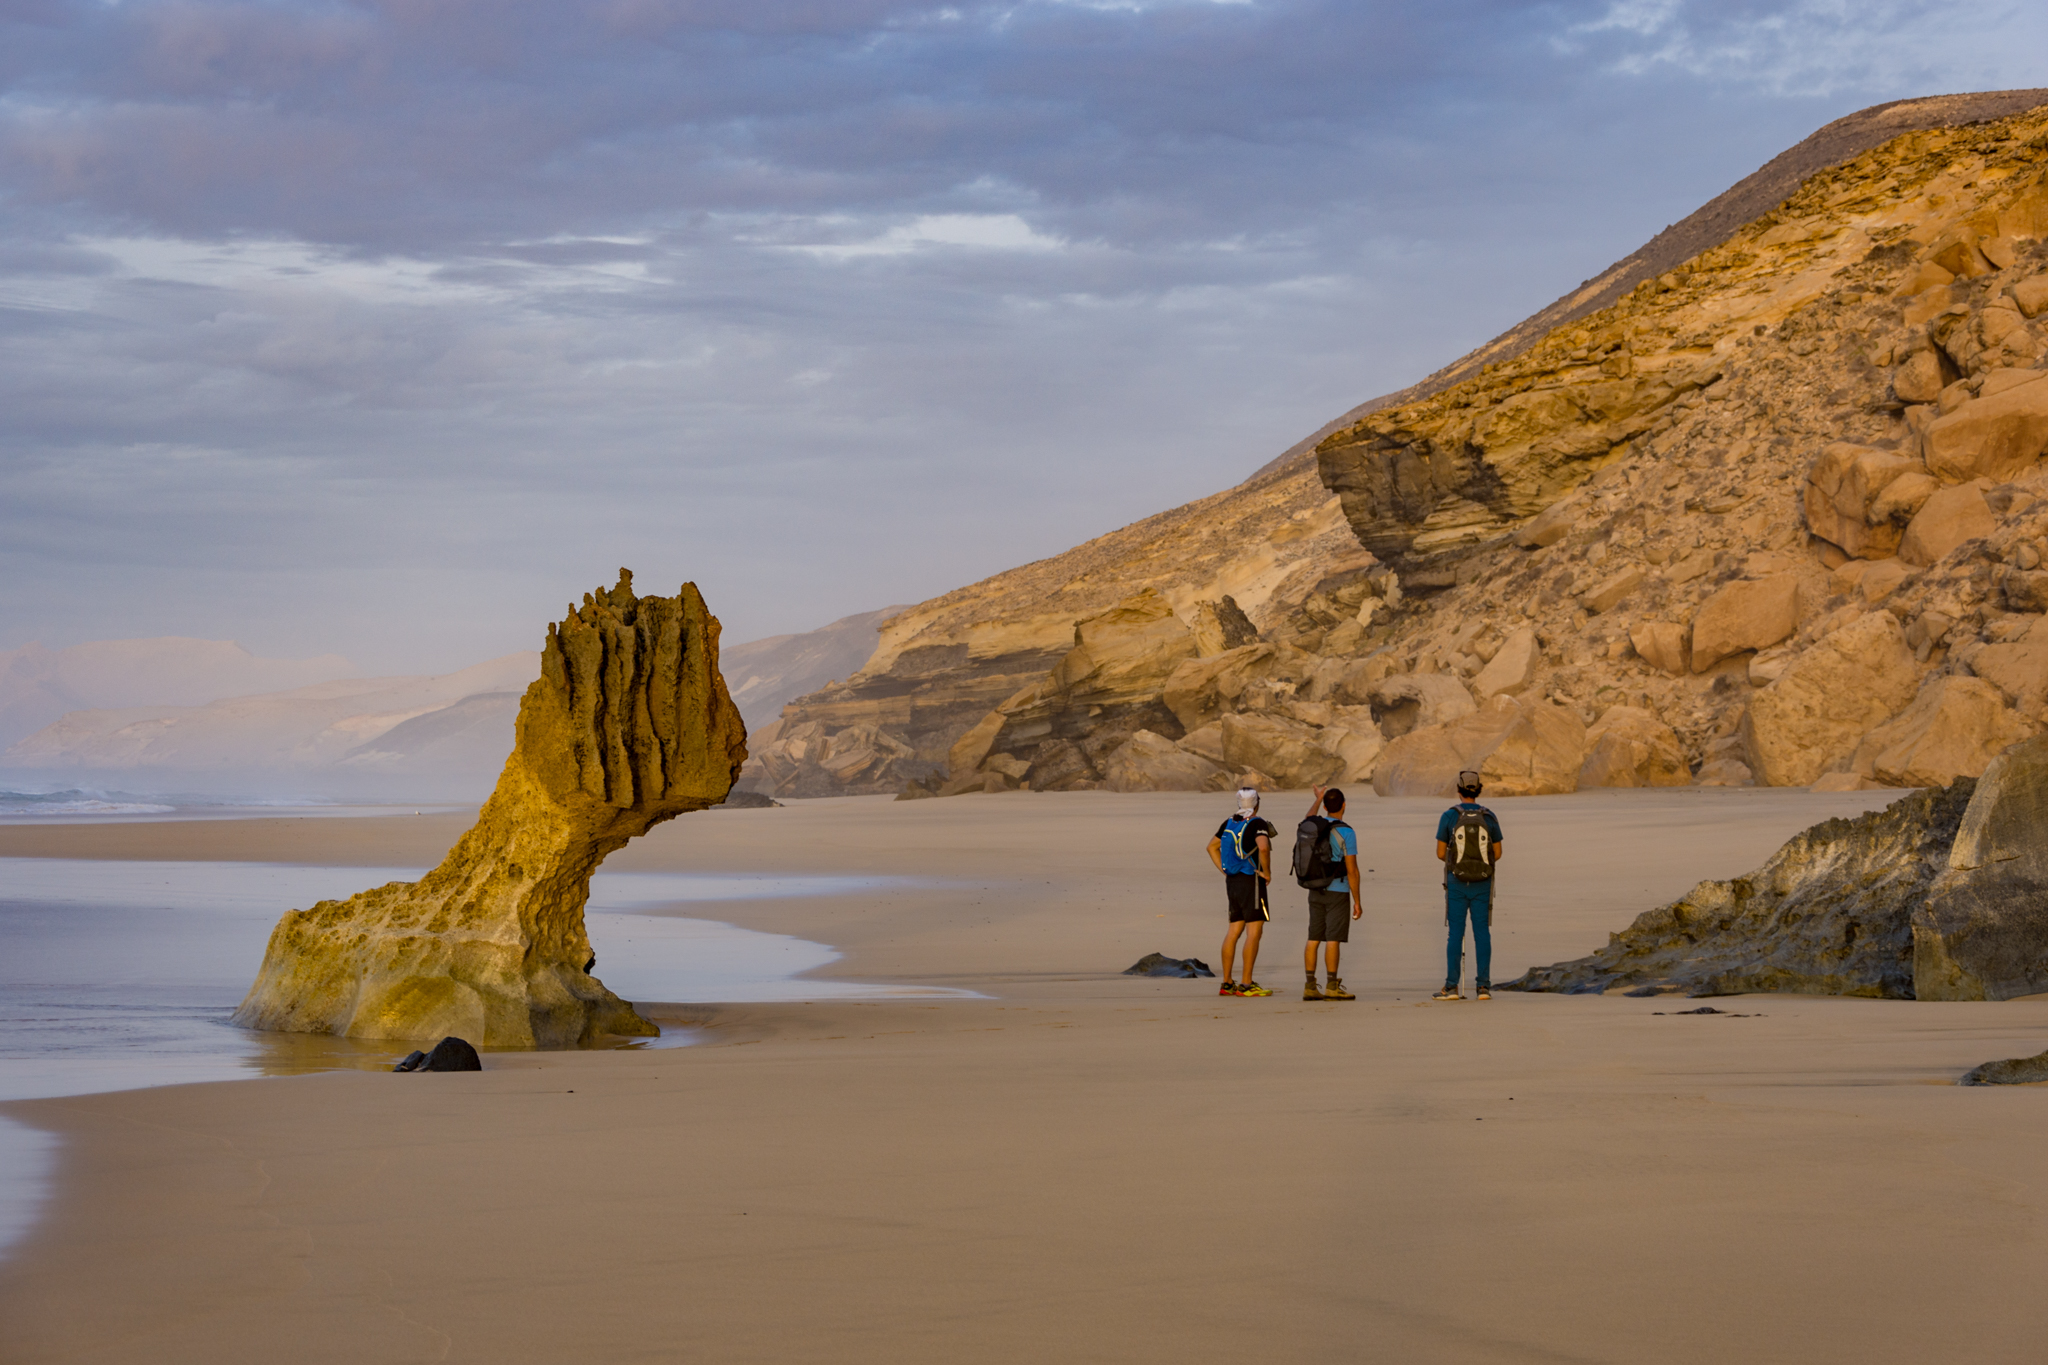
[[1330, 955], [1230, 946], [1308, 957], [1454, 926], [1252, 931], [1482, 931]]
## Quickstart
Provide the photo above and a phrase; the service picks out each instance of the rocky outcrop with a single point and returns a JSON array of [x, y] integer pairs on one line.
[[1982, 931], [1831, 913], [628, 725], [1940, 896]]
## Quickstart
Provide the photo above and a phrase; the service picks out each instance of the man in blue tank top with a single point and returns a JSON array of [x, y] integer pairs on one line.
[[1468, 844]]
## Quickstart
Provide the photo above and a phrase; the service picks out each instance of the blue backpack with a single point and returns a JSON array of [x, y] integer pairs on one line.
[[1241, 845]]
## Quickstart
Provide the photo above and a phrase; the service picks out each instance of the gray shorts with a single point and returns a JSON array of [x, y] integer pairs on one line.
[[1329, 916]]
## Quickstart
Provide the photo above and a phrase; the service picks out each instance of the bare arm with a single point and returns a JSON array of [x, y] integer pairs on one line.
[[1351, 880], [1265, 857], [1315, 803], [1216, 853]]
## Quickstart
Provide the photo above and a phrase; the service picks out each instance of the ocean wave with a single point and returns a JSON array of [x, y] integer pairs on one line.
[[80, 803]]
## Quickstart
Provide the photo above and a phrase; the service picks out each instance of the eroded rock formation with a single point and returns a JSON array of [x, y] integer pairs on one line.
[[1942, 895], [628, 725], [1829, 914]]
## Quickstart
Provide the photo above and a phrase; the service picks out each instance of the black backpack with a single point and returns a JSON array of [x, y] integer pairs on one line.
[[1315, 865], [1471, 846]]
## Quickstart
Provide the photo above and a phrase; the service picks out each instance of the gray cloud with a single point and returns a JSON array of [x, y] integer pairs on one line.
[[382, 328]]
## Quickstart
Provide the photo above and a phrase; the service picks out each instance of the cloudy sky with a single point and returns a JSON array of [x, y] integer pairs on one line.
[[386, 328]]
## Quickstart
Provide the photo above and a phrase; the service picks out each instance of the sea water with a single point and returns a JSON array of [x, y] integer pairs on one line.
[[116, 975]]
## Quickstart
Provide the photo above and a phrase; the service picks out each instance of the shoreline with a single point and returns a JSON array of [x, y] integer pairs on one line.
[[1109, 1167]]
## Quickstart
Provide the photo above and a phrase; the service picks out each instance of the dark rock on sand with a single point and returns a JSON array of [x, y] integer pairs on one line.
[[1832, 913], [450, 1054], [2011, 1071], [413, 1062], [1159, 964]]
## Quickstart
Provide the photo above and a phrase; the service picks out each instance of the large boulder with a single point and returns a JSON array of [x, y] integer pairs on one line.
[[1829, 914], [1954, 728], [1290, 751], [1518, 748], [1946, 520], [1612, 590], [1919, 379], [1663, 645], [1841, 488], [1742, 617], [1360, 748], [1513, 665], [1995, 438], [2019, 670], [1152, 763], [1413, 701], [1982, 931], [1827, 699], [1631, 747]]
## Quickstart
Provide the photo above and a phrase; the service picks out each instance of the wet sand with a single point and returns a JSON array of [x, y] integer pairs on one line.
[[1084, 1165]]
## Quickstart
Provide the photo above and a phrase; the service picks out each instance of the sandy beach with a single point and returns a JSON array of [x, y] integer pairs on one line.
[[1083, 1165]]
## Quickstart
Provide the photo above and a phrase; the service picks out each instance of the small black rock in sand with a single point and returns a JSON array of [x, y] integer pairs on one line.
[[450, 1054], [1159, 964]]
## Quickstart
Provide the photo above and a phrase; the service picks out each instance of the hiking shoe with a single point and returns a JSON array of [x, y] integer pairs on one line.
[[1252, 988], [1485, 992], [1448, 993], [1226, 989], [1334, 990], [1309, 991]]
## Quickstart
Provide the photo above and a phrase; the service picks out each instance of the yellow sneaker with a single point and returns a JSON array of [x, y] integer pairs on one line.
[[1252, 988]]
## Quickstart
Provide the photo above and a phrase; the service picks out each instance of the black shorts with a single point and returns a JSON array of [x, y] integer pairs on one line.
[[1329, 916], [1247, 898]]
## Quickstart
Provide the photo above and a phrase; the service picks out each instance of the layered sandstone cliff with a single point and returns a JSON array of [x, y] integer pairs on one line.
[[1768, 511], [628, 725]]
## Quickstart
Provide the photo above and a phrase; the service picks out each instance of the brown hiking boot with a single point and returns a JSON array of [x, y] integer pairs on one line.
[[1309, 991], [1333, 989]]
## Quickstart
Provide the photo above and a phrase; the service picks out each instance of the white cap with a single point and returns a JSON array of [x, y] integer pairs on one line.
[[1247, 800]]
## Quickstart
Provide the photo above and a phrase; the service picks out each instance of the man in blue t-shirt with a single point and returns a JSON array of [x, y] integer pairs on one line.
[[1468, 844], [1328, 924]]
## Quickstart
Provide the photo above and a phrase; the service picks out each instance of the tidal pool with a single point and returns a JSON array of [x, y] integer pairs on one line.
[[116, 975]]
